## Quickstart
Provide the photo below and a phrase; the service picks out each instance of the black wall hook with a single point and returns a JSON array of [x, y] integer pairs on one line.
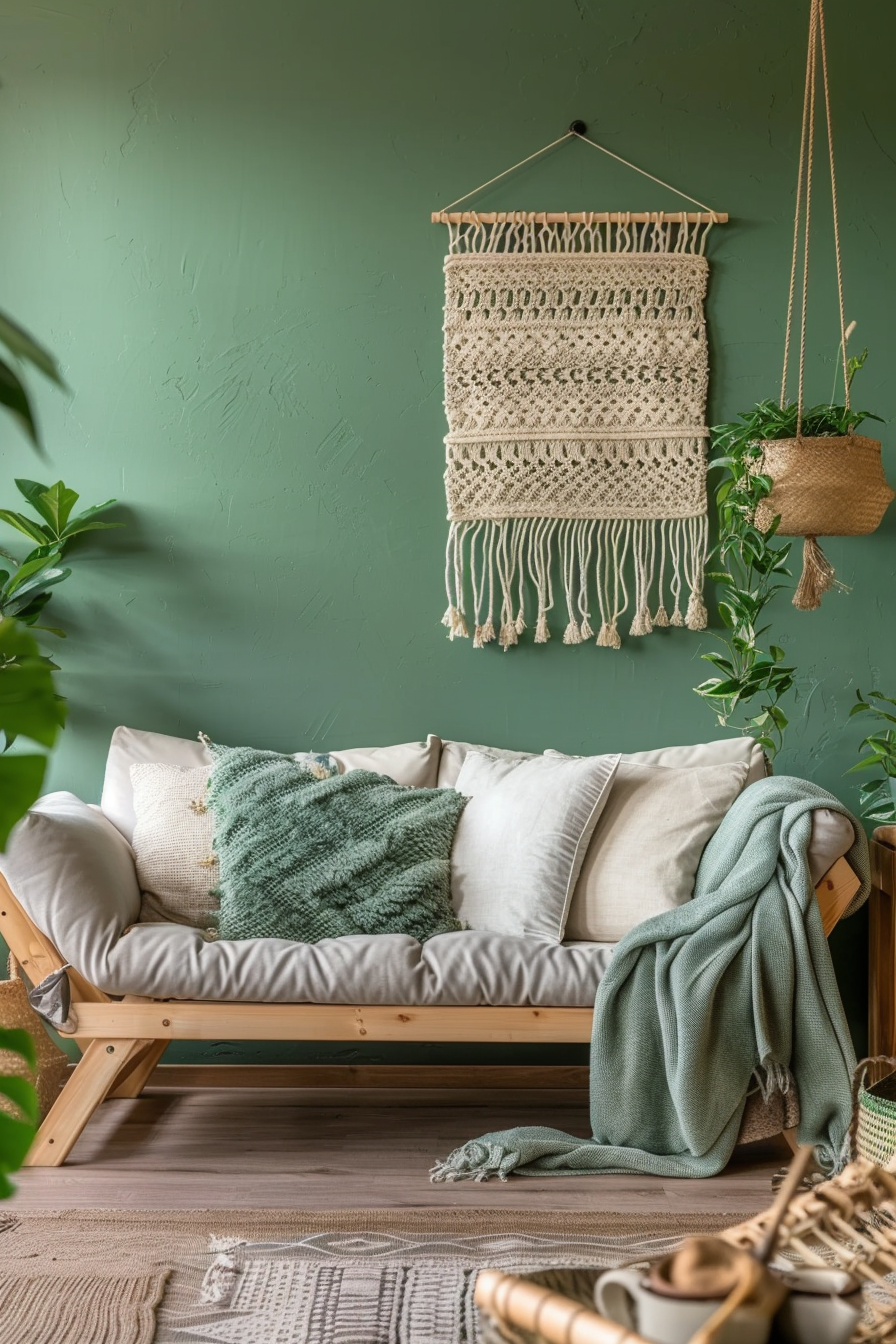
[[577, 127]]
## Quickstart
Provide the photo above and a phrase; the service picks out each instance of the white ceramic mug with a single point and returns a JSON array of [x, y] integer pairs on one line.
[[625, 1296], [824, 1307]]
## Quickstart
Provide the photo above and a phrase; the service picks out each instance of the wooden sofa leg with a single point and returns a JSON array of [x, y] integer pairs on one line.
[[88, 1086], [137, 1072]]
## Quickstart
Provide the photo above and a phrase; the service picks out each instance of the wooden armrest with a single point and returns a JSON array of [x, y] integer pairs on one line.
[[883, 860]]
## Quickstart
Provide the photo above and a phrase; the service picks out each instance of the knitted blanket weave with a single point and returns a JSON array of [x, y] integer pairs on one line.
[[697, 1000], [306, 859]]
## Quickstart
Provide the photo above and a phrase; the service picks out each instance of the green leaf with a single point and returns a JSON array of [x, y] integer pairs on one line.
[[25, 347], [869, 763], [55, 505], [29, 568], [22, 1094], [86, 514], [14, 397], [75, 529], [27, 694], [25, 525], [16, 1137], [21, 781], [19, 1042]]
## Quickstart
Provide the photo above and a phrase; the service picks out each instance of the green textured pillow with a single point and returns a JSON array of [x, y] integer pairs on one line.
[[307, 858]]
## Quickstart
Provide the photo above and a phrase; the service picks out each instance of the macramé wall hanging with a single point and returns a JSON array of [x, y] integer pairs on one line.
[[576, 375]]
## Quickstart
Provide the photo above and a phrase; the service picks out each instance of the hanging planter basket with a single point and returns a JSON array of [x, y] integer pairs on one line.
[[831, 485], [824, 487]]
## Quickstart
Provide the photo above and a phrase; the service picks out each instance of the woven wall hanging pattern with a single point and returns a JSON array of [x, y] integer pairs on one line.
[[576, 374]]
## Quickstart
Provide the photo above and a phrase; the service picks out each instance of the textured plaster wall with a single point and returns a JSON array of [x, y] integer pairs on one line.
[[216, 214]]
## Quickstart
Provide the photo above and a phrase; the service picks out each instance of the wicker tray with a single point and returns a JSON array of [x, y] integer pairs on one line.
[[848, 1222]]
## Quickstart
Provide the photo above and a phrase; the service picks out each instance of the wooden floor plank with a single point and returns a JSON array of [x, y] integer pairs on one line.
[[183, 1148]]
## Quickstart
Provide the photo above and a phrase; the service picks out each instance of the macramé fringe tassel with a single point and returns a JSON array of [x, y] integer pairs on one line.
[[608, 567]]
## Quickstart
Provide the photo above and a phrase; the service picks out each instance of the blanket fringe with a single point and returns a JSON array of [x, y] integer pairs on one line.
[[652, 567], [771, 1078], [475, 1161]]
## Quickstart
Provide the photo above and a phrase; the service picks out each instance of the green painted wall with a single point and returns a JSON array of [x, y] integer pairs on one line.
[[216, 213]]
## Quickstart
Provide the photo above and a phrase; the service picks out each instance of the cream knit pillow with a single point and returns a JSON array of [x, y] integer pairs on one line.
[[643, 855], [176, 867]]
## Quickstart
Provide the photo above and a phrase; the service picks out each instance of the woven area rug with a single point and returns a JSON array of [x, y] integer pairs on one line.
[[364, 1276]]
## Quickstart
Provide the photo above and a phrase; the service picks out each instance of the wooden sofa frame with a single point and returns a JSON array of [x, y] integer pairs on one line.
[[123, 1039]]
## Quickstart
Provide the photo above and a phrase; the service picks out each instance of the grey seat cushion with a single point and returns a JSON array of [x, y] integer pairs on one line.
[[74, 873], [458, 969]]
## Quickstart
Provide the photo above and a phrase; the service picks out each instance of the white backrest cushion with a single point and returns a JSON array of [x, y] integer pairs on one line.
[[643, 855], [131, 746], [455, 753], [414, 764], [521, 839], [703, 753]]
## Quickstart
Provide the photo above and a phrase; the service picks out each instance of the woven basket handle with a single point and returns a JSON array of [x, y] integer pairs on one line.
[[12, 968], [858, 1081]]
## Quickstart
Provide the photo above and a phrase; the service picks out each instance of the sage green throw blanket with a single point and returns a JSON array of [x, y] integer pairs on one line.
[[739, 980], [308, 858]]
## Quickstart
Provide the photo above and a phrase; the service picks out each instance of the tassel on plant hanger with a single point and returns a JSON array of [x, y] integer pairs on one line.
[[818, 577]]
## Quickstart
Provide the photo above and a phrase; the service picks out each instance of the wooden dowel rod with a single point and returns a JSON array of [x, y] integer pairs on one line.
[[577, 217]]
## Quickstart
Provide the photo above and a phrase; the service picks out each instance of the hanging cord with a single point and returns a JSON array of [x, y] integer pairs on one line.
[[810, 142], [827, 108], [804, 205], [568, 135], [576, 135], [683, 194]]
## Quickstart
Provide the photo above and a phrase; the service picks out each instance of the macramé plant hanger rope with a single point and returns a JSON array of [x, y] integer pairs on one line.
[[827, 484], [576, 373]]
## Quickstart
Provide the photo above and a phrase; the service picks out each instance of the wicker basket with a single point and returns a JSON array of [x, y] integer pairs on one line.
[[873, 1132], [52, 1063], [824, 487]]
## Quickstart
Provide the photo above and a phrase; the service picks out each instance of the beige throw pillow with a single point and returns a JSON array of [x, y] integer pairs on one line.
[[521, 839], [646, 846]]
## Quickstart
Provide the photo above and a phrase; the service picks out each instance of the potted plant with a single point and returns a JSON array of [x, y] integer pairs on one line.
[[877, 797], [827, 480]]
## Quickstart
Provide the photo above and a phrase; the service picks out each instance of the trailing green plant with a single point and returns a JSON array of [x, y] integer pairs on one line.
[[752, 679], [753, 676], [877, 797]]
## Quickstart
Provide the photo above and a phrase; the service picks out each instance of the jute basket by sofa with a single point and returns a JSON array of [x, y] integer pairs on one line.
[[52, 1063]]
